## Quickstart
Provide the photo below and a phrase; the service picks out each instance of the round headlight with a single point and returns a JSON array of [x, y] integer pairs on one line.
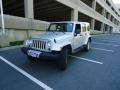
[[28, 42], [49, 43]]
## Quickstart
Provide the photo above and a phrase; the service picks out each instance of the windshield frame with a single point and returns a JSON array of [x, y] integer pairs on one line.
[[66, 27]]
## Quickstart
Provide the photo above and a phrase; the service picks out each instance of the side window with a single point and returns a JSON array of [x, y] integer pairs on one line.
[[84, 28], [88, 28], [78, 28], [53, 27], [69, 27]]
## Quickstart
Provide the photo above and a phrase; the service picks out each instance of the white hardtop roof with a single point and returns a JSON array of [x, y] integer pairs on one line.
[[71, 22]]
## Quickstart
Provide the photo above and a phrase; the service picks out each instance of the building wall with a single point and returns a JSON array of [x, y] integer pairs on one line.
[[18, 29], [23, 23], [13, 35]]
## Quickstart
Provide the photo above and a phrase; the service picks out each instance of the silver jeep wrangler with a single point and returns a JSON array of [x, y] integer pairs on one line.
[[60, 40]]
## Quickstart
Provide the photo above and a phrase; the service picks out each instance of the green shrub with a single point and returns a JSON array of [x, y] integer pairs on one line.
[[16, 43]]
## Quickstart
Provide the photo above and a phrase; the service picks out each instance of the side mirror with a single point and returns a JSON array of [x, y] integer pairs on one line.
[[76, 32]]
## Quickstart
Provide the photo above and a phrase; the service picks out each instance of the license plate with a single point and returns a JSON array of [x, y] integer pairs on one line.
[[34, 53]]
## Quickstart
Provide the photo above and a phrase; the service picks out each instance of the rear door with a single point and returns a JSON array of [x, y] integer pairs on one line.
[[83, 33]]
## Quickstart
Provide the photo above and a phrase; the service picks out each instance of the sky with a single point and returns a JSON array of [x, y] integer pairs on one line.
[[116, 1]]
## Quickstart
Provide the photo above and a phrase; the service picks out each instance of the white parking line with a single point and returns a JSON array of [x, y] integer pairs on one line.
[[106, 44], [116, 40], [44, 86], [85, 59], [113, 41], [103, 49]]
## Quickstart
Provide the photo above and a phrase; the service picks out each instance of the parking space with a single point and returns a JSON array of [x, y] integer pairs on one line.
[[98, 69], [10, 79]]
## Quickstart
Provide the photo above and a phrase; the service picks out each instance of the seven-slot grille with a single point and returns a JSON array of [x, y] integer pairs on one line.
[[38, 44]]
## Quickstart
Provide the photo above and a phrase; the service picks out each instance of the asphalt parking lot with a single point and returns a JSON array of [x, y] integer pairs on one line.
[[98, 69]]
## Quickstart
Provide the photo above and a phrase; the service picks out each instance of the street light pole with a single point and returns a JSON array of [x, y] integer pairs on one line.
[[2, 17]]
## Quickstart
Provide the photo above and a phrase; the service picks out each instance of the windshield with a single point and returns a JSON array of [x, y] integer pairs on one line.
[[61, 27]]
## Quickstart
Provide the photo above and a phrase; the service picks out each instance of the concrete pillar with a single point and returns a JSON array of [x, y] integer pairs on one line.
[[93, 20], [113, 19], [93, 24], [118, 23], [104, 12], [74, 15], [105, 28], [102, 27], [108, 29], [29, 13], [111, 30], [29, 9], [94, 4], [4, 41], [109, 16]]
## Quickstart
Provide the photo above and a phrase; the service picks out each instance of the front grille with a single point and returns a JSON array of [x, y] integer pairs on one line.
[[38, 44]]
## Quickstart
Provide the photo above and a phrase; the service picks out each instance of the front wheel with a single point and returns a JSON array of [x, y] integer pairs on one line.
[[63, 59], [87, 47]]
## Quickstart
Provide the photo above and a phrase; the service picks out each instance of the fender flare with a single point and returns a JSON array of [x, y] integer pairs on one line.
[[88, 39]]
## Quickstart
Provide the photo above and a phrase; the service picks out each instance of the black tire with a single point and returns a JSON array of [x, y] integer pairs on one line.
[[87, 47], [63, 59], [31, 59]]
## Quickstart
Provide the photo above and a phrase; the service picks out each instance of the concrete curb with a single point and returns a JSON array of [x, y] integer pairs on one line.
[[9, 48], [100, 34]]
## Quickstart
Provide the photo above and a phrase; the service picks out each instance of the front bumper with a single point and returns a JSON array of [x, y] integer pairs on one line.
[[43, 55]]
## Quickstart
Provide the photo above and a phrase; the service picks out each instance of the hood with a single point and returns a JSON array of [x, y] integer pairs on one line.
[[53, 35]]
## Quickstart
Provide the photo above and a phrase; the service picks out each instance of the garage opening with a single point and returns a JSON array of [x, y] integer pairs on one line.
[[51, 10], [106, 27], [84, 18], [97, 25], [108, 3], [99, 8], [14, 7], [115, 21], [111, 30], [88, 2], [107, 15], [118, 23], [111, 19]]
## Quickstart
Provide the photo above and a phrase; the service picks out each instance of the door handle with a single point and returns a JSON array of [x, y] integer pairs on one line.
[[81, 35]]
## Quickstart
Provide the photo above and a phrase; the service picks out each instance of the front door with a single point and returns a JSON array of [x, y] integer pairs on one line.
[[77, 36]]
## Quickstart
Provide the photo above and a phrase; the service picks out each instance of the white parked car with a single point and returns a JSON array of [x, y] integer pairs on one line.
[[61, 39]]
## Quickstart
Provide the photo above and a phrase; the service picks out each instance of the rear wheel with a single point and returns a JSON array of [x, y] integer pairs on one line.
[[63, 59]]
